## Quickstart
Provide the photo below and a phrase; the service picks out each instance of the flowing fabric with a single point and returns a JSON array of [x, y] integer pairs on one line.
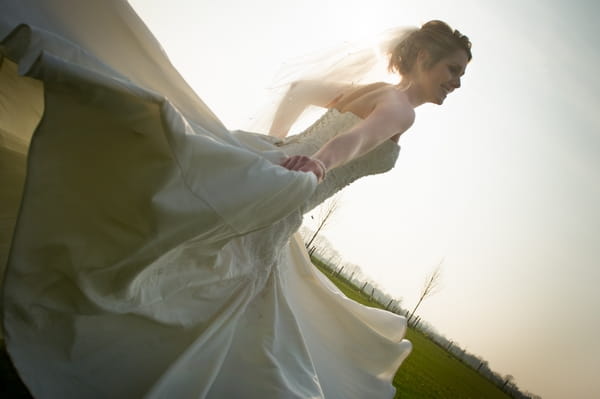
[[152, 253]]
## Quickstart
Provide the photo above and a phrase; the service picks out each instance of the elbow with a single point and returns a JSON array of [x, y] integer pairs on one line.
[[278, 134], [294, 85], [297, 85]]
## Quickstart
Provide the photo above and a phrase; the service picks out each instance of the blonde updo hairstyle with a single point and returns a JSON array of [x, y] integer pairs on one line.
[[436, 38]]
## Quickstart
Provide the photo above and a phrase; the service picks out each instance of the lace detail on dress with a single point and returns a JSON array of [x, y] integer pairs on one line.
[[332, 123]]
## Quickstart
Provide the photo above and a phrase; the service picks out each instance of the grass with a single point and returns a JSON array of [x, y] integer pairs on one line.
[[429, 371]]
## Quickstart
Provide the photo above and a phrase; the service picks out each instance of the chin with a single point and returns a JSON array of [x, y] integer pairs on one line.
[[437, 99]]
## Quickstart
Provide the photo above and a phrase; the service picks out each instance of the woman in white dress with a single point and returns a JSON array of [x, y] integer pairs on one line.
[[153, 254]]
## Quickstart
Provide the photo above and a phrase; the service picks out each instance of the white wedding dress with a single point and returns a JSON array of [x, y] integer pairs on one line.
[[154, 254]]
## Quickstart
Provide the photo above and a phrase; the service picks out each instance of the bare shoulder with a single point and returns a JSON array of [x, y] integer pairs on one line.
[[394, 106], [388, 116]]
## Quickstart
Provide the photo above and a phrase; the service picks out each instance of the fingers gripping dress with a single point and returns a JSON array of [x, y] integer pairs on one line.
[[154, 253]]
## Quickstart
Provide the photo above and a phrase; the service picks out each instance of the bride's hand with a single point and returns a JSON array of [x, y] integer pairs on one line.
[[303, 163]]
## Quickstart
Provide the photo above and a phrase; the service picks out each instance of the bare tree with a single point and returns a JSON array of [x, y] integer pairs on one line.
[[507, 380], [327, 209], [431, 286]]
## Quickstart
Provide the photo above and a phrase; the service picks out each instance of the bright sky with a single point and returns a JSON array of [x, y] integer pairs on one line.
[[502, 181]]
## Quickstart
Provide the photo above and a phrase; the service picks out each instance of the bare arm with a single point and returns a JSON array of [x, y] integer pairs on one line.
[[300, 95], [387, 119]]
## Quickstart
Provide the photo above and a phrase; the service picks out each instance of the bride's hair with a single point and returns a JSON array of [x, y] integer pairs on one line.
[[436, 38]]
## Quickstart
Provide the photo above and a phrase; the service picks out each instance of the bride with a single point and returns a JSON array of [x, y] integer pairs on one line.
[[154, 252]]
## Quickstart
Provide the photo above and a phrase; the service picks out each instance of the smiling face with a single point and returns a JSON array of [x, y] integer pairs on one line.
[[436, 82]]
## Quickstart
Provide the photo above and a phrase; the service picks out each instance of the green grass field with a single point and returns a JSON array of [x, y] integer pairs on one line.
[[429, 371]]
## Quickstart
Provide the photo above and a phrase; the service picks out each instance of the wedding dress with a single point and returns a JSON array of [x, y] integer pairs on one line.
[[154, 253]]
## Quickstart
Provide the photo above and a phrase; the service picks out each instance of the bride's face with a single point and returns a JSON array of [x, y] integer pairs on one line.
[[437, 81]]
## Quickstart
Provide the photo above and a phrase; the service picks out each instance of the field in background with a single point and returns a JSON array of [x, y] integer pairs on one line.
[[429, 371]]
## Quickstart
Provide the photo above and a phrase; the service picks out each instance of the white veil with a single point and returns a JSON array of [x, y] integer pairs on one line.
[[355, 62]]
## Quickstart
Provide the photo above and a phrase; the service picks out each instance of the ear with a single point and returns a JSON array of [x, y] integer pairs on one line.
[[422, 59]]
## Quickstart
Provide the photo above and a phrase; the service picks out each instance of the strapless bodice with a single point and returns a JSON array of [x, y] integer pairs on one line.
[[331, 124]]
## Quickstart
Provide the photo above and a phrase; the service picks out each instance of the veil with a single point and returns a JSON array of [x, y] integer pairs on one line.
[[351, 62]]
